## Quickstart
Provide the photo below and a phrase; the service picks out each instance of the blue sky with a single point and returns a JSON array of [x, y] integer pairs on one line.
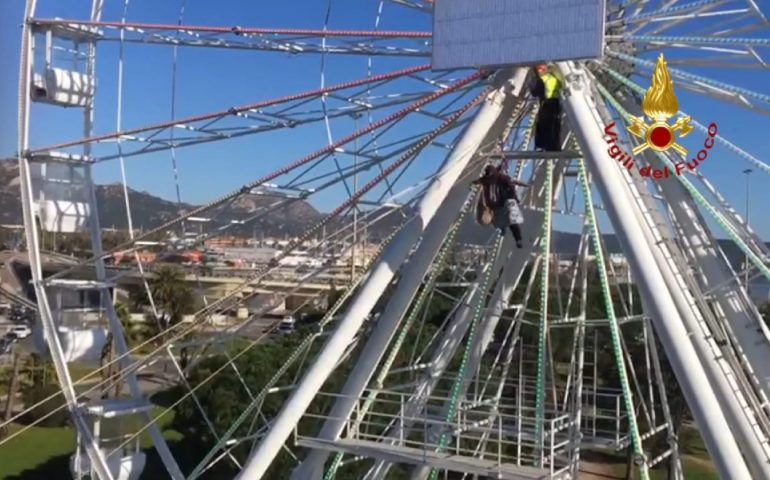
[[209, 80]]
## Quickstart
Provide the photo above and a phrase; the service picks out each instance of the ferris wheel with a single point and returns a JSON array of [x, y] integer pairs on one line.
[[507, 383]]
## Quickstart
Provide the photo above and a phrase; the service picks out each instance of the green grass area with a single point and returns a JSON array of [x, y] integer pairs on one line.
[[80, 370], [33, 448], [40, 450], [696, 463]]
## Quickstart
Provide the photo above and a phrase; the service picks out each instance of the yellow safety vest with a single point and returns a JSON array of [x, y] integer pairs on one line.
[[552, 85]]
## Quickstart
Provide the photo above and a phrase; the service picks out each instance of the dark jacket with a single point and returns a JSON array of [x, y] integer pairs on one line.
[[498, 188]]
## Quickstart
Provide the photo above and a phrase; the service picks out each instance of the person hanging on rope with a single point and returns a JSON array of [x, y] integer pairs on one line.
[[499, 193], [546, 87]]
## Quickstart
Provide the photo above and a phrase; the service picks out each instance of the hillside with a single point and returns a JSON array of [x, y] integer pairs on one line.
[[149, 211]]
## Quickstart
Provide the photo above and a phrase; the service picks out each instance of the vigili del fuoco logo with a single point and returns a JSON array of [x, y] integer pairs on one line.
[[659, 105]]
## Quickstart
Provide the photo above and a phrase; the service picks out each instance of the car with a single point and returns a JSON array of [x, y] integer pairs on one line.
[[21, 331], [288, 324]]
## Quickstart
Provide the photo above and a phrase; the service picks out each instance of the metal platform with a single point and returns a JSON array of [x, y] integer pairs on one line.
[[413, 456], [116, 407]]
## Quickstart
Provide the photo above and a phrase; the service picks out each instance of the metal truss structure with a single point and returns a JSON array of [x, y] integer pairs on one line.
[[509, 383]]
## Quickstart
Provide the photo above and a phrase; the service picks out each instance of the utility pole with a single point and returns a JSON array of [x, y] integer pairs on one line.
[[747, 172]]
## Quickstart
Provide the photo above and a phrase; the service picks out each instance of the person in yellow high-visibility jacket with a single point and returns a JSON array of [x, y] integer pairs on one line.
[[547, 89]]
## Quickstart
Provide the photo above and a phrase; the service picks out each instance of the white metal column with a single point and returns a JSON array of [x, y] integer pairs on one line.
[[380, 276], [620, 205], [97, 459], [410, 279], [722, 377]]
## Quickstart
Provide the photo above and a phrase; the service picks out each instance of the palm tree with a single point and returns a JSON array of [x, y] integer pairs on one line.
[[172, 296]]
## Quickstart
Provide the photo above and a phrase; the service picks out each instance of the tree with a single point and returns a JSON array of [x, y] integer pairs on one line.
[[12, 388], [172, 296], [224, 398], [41, 384]]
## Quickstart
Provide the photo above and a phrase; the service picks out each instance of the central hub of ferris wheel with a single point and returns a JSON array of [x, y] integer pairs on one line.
[[494, 33]]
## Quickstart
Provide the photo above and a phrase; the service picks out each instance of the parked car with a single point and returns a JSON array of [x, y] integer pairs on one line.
[[21, 331], [288, 324]]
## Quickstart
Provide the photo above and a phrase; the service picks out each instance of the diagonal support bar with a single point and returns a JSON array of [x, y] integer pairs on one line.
[[381, 275]]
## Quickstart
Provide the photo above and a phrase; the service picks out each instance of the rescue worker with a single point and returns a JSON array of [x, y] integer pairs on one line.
[[499, 192], [546, 88]]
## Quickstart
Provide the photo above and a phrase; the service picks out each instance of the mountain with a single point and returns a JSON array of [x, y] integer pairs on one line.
[[148, 211]]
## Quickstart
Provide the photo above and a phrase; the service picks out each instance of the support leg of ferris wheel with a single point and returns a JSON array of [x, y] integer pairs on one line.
[[740, 313], [620, 204], [448, 344], [410, 278], [726, 376], [381, 275]]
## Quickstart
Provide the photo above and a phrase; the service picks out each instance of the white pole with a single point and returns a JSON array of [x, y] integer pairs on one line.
[[746, 267], [754, 346], [97, 460], [381, 275], [620, 206], [411, 278]]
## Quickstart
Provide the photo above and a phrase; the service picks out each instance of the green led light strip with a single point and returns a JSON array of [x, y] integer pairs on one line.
[[545, 247], [457, 385], [718, 217], [628, 401]]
